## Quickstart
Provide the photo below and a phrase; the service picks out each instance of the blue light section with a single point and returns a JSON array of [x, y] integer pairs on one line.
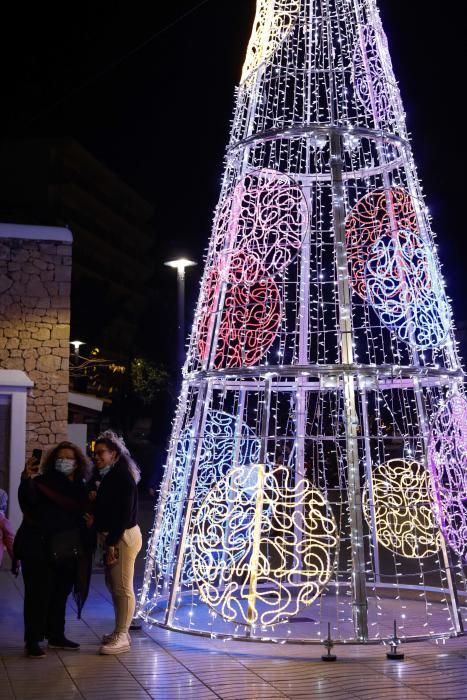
[[403, 287], [221, 449]]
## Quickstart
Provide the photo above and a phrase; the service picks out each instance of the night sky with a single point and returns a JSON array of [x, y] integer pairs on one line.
[[160, 117]]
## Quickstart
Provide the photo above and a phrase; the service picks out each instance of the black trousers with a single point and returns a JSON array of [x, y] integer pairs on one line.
[[46, 589]]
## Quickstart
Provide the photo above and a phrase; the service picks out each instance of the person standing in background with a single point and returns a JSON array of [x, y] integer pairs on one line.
[[115, 519]]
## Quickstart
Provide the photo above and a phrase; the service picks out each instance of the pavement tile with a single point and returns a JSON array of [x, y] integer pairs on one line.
[[389, 693], [196, 694], [170, 666], [451, 691]]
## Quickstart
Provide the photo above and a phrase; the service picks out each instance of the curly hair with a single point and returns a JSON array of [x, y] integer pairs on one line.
[[116, 443], [83, 468]]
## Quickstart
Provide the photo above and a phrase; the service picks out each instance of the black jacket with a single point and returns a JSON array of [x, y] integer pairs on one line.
[[52, 503], [116, 505]]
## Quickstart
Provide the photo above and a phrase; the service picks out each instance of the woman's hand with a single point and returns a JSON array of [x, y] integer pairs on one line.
[[88, 519], [111, 556], [31, 468], [92, 496]]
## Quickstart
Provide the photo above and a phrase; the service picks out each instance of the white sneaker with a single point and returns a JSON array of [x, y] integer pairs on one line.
[[117, 645], [106, 638]]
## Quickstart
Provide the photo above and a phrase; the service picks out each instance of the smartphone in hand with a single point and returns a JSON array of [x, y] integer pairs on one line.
[[32, 465], [36, 460], [37, 455]]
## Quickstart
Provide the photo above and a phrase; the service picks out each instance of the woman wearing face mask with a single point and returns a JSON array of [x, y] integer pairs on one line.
[[115, 514], [53, 545]]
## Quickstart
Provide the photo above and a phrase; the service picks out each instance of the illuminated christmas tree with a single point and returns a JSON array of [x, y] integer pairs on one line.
[[316, 472]]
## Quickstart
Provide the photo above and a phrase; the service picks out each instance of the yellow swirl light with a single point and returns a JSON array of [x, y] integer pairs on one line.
[[273, 20], [262, 547], [403, 504]]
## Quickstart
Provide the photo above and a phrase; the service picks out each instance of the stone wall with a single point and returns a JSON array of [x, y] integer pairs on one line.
[[35, 280]]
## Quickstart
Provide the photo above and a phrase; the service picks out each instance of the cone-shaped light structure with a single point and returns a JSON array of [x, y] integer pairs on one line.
[[316, 467]]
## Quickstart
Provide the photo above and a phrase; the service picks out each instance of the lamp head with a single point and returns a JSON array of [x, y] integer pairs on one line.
[[180, 264], [76, 344]]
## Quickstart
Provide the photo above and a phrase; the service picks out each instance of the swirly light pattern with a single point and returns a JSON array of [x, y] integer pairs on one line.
[[259, 229], [210, 296], [261, 546], [447, 458], [250, 320], [370, 81], [266, 217], [395, 271], [273, 20], [403, 506], [368, 221], [403, 288], [221, 448], [171, 516]]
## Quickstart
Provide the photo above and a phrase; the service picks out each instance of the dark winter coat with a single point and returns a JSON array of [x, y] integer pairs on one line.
[[116, 505], [51, 503]]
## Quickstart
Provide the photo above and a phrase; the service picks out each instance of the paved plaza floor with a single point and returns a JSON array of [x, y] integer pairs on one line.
[[170, 666]]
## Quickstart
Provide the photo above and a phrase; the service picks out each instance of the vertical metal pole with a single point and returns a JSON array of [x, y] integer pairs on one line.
[[359, 601], [164, 493], [255, 550], [304, 307], [254, 561], [263, 454], [301, 416], [447, 559], [238, 428], [192, 451], [301, 382], [181, 316], [203, 401], [369, 479], [236, 453]]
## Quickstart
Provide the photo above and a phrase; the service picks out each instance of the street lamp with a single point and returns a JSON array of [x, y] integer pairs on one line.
[[180, 265], [77, 344]]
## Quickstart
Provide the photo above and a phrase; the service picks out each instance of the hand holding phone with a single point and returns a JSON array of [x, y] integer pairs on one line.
[[31, 468], [37, 455]]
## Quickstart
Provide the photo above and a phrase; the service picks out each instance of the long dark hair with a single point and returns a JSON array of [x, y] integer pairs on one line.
[[83, 467], [115, 443]]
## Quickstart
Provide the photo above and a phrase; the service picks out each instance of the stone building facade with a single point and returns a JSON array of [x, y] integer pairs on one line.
[[35, 280]]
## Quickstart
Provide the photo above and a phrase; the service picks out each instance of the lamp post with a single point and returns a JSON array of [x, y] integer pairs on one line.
[[76, 344], [180, 264]]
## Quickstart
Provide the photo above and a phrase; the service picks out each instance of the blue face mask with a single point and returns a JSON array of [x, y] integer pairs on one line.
[[65, 466], [105, 470]]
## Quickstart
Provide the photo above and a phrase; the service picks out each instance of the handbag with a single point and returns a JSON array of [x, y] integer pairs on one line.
[[65, 547]]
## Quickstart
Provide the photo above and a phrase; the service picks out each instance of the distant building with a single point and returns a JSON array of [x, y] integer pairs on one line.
[[57, 182]]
